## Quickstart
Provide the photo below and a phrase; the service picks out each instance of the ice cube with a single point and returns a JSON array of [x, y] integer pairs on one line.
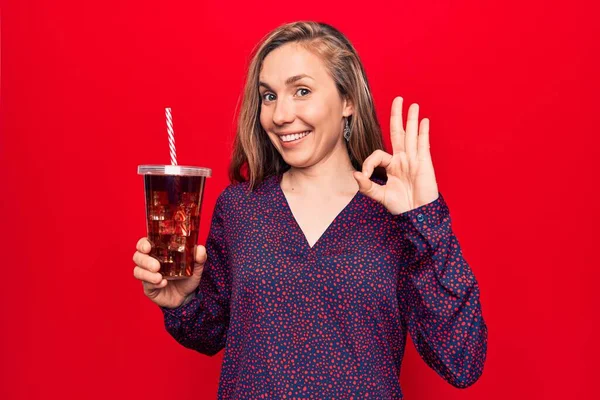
[[166, 227], [160, 253], [177, 243], [157, 213], [189, 198], [160, 198]]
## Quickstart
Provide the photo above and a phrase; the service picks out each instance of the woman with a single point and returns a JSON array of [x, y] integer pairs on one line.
[[325, 250]]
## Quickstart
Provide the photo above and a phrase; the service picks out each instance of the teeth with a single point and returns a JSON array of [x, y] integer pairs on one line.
[[295, 136]]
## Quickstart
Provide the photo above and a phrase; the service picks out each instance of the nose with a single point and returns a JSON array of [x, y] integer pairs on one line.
[[284, 112]]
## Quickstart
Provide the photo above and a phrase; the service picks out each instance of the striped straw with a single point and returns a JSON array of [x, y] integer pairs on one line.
[[172, 149]]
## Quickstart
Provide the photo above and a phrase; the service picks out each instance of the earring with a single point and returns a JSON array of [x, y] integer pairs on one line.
[[347, 131]]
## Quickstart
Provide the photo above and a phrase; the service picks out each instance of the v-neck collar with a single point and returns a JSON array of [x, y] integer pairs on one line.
[[296, 225]]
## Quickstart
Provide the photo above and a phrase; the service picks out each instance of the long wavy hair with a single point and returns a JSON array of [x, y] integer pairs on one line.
[[254, 156]]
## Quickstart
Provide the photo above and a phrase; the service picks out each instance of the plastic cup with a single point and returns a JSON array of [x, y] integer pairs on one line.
[[173, 202]]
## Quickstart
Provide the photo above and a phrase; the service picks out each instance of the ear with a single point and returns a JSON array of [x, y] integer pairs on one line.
[[348, 107]]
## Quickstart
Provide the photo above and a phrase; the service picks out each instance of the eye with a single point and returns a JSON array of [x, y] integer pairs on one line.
[[265, 95], [303, 89], [265, 98]]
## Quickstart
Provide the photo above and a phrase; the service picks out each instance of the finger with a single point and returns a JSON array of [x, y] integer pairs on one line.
[[369, 188], [151, 286], [145, 261], [396, 127], [423, 141], [200, 254], [412, 125], [376, 159], [143, 245], [147, 276]]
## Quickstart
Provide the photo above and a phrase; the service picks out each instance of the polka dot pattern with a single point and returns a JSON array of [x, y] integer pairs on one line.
[[330, 321]]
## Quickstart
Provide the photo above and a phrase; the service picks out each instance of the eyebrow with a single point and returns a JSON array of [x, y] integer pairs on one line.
[[288, 81]]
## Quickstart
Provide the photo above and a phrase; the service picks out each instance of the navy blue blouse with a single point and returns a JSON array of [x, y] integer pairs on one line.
[[330, 321]]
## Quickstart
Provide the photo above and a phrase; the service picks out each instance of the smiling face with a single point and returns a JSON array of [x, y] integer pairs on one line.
[[298, 95]]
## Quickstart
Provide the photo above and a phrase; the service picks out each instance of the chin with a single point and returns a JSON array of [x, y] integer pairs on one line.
[[297, 162]]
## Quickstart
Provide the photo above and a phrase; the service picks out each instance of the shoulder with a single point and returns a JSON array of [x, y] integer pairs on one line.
[[239, 192]]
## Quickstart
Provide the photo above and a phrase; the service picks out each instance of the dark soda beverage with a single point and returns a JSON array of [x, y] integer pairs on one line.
[[173, 204]]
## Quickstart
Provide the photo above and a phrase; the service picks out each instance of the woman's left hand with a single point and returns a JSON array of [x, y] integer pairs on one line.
[[410, 177]]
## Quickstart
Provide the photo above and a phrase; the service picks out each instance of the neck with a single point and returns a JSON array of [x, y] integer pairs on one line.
[[331, 175]]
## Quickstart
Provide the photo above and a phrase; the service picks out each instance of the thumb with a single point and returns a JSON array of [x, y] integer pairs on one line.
[[200, 257], [368, 187], [198, 268]]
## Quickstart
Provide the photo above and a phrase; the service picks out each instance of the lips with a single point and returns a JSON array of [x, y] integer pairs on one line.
[[291, 133]]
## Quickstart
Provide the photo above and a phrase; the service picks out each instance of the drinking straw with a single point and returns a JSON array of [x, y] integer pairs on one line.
[[172, 149], [176, 193]]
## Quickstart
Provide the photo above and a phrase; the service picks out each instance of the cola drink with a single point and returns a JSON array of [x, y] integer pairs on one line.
[[173, 202]]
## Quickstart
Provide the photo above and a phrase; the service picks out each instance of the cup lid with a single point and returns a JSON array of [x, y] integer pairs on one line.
[[183, 170]]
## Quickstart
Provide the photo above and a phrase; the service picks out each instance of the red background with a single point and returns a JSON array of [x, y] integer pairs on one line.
[[512, 94]]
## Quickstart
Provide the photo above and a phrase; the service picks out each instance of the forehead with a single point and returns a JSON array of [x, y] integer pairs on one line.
[[289, 60]]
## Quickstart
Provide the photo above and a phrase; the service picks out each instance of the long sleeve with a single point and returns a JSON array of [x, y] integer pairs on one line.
[[202, 323], [439, 296]]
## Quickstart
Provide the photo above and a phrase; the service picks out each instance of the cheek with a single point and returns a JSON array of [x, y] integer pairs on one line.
[[317, 115], [325, 123]]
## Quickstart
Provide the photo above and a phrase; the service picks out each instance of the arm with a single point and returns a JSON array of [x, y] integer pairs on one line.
[[201, 322], [439, 296]]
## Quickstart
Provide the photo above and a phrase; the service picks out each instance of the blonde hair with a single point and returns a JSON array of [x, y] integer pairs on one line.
[[254, 156]]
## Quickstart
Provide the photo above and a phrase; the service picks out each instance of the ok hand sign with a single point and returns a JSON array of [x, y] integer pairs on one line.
[[411, 180]]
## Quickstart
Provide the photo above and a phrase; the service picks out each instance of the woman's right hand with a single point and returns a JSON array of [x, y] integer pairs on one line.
[[169, 294]]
